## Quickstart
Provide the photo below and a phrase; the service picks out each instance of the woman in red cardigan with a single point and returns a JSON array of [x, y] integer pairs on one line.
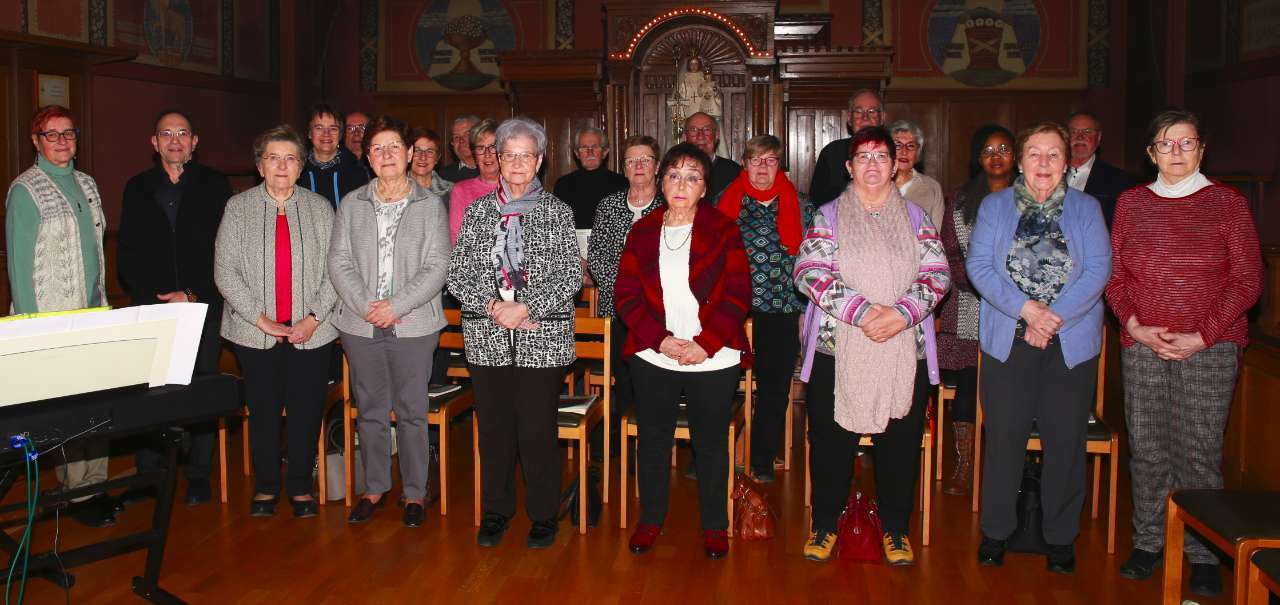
[[684, 291]]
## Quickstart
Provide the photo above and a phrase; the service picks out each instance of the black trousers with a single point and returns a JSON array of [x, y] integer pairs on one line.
[[516, 411], [293, 380], [777, 344], [964, 408], [623, 394], [203, 435], [1035, 387], [710, 398], [832, 450]]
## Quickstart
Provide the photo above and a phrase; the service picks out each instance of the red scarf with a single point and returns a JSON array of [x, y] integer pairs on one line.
[[790, 231]]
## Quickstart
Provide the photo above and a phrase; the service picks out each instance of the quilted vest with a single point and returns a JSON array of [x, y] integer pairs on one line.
[[58, 276]]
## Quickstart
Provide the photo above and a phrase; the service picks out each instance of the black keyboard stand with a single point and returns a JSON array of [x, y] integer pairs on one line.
[[44, 565]]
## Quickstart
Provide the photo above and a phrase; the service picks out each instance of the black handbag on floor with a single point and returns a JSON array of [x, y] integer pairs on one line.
[[1029, 535]]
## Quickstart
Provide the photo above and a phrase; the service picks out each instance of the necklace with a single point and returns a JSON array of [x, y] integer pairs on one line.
[[682, 242], [394, 195]]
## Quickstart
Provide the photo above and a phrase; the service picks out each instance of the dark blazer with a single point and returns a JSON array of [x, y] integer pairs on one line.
[[1106, 183], [154, 258], [456, 172], [723, 171], [334, 183], [829, 174], [718, 277]]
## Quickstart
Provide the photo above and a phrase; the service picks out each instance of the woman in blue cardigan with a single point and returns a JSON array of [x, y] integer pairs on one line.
[[1039, 257]]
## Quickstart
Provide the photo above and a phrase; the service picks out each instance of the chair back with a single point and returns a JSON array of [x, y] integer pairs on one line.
[[451, 335], [591, 297]]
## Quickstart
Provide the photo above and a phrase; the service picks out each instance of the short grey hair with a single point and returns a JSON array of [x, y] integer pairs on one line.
[[910, 128], [522, 127], [470, 119], [283, 133], [604, 138]]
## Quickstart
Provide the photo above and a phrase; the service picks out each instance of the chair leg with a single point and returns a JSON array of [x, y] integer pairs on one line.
[[1173, 540], [1244, 555], [729, 490], [322, 476], [475, 455], [977, 459], [222, 456], [1097, 484], [607, 457], [1258, 593], [926, 491], [1112, 494], [244, 443], [788, 439], [582, 481], [940, 431], [348, 453], [444, 466], [674, 449], [622, 474], [808, 486]]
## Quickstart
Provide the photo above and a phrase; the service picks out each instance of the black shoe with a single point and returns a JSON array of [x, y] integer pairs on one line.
[[991, 552], [364, 509], [198, 492], [133, 497], [98, 511], [263, 508], [764, 474], [1061, 558], [1141, 564], [304, 509], [542, 534], [492, 527], [1206, 579], [414, 514]]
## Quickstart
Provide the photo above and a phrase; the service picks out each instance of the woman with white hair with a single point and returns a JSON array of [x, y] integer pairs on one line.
[[922, 189], [515, 272]]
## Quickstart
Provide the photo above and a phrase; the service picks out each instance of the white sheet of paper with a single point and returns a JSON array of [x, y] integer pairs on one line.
[[186, 340]]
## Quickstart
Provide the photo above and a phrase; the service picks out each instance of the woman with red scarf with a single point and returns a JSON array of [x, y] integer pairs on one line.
[[772, 217]]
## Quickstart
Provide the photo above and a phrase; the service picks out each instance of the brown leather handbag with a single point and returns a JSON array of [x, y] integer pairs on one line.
[[754, 519]]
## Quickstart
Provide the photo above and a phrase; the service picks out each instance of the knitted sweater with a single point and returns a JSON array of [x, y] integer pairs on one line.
[[1189, 264]]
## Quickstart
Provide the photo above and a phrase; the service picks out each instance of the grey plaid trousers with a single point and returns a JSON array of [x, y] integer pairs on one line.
[[1176, 413]]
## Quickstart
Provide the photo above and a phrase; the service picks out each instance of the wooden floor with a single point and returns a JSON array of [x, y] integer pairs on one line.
[[218, 554]]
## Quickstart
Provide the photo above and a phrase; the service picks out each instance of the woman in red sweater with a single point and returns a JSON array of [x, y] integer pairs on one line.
[[1186, 270], [684, 291]]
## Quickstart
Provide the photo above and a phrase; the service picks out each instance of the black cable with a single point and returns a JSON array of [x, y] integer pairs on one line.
[[57, 534]]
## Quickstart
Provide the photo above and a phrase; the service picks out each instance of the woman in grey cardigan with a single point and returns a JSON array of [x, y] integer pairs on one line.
[[515, 271], [269, 264], [387, 259]]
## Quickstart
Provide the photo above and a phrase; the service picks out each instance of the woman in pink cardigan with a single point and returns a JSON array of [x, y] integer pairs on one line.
[[483, 137]]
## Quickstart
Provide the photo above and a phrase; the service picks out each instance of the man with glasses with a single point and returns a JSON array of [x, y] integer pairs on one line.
[[583, 188], [353, 137], [866, 108], [464, 162], [1088, 173], [331, 170], [702, 130], [168, 223]]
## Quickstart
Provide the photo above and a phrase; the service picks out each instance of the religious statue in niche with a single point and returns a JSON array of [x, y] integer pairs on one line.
[[695, 90]]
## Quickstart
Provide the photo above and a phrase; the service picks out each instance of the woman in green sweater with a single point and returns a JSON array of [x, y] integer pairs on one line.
[[53, 227]]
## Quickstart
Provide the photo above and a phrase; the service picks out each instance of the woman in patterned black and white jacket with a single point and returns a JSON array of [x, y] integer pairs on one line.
[[515, 271]]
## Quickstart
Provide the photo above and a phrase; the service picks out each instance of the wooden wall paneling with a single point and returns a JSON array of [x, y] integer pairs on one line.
[[1251, 459], [564, 91], [437, 111]]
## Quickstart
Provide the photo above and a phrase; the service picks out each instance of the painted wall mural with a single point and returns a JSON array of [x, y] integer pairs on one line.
[[989, 43], [185, 34]]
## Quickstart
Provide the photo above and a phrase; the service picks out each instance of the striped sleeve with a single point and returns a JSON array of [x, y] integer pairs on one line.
[[933, 280], [817, 276]]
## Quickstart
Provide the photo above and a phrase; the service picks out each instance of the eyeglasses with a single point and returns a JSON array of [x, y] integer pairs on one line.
[[287, 160], [1000, 150], [180, 133], [386, 150], [52, 136], [1036, 156], [321, 129], [354, 128], [640, 162], [1166, 145], [484, 149], [873, 112], [906, 146], [589, 149], [1082, 132], [511, 157], [674, 179], [426, 153], [705, 130], [769, 161], [866, 157]]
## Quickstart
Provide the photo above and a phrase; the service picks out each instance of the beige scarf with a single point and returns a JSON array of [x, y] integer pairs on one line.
[[879, 257]]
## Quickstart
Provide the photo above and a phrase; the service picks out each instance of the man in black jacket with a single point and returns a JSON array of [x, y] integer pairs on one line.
[[331, 170], [1088, 172], [830, 176], [464, 163], [168, 224], [702, 130]]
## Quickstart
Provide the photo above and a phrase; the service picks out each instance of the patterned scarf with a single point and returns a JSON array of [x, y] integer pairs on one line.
[[333, 161], [508, 245], [880, 258], [1038, 260]]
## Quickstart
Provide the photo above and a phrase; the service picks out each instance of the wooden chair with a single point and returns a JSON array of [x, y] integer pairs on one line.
[[1238, 522], [593, 340], [440, 413], [926, 467], [1264, 576], [741, 418], [1100, 441], [946, 393]]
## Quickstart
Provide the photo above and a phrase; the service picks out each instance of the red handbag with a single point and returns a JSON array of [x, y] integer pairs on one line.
[[753, 517], [858, 532]]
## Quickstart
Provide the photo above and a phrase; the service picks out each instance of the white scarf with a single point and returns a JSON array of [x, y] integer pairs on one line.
[[1183, 188]]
